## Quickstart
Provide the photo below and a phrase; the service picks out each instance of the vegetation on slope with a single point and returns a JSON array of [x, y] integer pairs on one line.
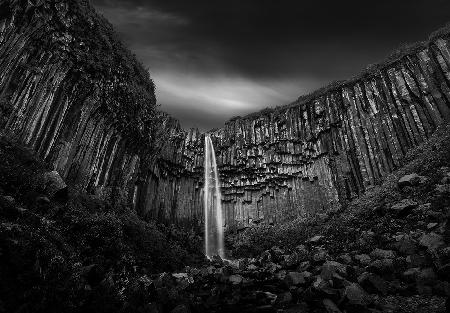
[[76, 253], [368, 212]]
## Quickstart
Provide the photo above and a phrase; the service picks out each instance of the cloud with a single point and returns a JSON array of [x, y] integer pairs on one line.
[[142, 15], [213, 59], [207, 102]]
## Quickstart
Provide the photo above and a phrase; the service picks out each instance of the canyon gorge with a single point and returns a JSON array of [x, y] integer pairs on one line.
[[72, 93], [338, 202]]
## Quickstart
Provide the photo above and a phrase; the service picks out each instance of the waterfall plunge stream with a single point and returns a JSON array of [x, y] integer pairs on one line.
[[212, 204]]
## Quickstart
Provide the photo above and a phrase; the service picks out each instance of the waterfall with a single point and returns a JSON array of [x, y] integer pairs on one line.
[[212, 204]]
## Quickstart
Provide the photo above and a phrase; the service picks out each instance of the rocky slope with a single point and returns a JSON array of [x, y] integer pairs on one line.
[[78, 100], [65, 251], [388, 251]]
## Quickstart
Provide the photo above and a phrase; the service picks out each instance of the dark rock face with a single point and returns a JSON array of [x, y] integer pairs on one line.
[[317, 153], [92, 116], [71, 92]]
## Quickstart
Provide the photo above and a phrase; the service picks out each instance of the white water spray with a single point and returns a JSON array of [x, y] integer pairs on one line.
[[212, 204]]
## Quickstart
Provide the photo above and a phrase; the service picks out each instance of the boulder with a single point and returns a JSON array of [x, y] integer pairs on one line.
[[240, 264], [320, 283], [363, 259], [434, 215], [382, 266], [220, 275], [357, 270], [164, 280], [182, 308], [320, 256], [330, 306], [304, 266], [42, 200], [321, 217], [217, 261], [415, 260], [302, 253], [271, 267], [444, 255], [296, 292], [406, 246], [320, 289], [426, 276], [330, 268], [442, 190], [281, 275], [144, 280], [206, 271], [382, 254], [403, 207], [373, 283], [54, 185], [235, 279], [290, 260], [423, 208], [283, 299], [269, 297], [345, 258], [93, 274], [399, 287], [409, 180], [8, 200], [183, 280], [426, 279], [266, 256], [431, 241], [425, 290], [316, 239], [277, 253], [8, 207], [227, 269], [445, 180], [296, 278], [355, 297], [410, 275]]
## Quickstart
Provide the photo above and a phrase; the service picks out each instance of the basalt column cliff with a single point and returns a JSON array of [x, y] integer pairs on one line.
[[71, 92], [317, 153]]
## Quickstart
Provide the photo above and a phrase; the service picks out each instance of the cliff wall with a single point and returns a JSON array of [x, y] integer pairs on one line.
[[70, 91], [316, 154], [74, 94]]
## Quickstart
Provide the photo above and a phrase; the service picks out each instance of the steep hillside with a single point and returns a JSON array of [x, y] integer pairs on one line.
[[71, 252], [378, 210]]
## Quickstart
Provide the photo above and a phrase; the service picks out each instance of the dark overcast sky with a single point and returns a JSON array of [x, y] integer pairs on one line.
[[212, 60]]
